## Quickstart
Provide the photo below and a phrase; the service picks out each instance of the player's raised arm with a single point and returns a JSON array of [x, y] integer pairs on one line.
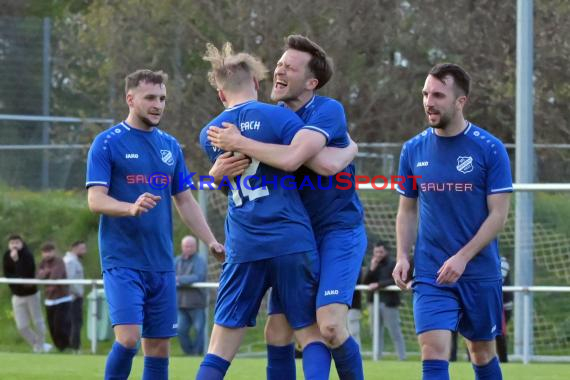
[[100, 202], [304, 145], [406, 229], [193, 217]]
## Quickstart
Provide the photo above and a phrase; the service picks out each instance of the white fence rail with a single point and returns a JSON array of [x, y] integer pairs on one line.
[[95, 284]]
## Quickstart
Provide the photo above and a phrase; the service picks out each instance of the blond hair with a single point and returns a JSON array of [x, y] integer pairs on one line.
[[230, 71]]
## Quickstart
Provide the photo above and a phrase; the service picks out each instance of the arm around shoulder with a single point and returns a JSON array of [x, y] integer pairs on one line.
[[330, 161]]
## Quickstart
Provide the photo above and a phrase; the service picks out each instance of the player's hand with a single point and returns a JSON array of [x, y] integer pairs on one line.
[[400, 273], [218, 251], [451, 270], [374, 262], [144, 203], [228, 165], [226, 138]]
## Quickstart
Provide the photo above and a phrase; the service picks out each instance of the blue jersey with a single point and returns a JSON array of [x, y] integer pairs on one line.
[[457, 174], [262, 222], [131, 162], [329, 207]]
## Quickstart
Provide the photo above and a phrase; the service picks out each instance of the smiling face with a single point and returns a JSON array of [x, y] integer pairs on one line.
[[146, 102], [292, 78], [442, 103]]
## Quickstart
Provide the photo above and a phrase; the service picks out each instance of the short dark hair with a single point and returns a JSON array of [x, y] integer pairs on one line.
[[382, 243], [47, 247], [76, 243], [155, 77], [461, 78], [321, 65], [15, 237]]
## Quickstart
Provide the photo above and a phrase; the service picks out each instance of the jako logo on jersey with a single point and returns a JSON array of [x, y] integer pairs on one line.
[[493, 329], [464, 164], [331, 292], [166, 157], [422, 164], [132, 155]]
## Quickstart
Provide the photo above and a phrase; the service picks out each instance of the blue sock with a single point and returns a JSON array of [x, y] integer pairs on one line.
[[155, 368], [348, 361], [316, 361], [489, 371], [119, 362], [435, 370], [213, 367], [281, 362]]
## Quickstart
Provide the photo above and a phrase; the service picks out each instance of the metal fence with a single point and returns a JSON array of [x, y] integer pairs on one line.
[[526, 291]]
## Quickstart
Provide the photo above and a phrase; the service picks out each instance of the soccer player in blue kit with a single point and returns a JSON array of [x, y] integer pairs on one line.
[[463, 182], [336, 215], [269, 240], [133, 170]]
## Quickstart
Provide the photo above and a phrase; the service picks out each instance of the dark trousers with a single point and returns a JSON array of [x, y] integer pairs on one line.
[[76, 322], [58, 322]]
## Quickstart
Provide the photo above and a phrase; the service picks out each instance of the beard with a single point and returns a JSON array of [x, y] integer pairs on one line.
[[284, 97], [444, 120], [148, 123]]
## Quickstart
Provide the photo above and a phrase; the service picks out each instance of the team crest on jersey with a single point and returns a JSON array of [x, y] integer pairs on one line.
[[464, 164], [167, 157]]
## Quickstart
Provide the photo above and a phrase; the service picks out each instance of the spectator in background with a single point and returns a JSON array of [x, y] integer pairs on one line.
[[501, 340], [19, 262], [74, 270], [57, 297], [355, 312], [191, 268], [378, 276]]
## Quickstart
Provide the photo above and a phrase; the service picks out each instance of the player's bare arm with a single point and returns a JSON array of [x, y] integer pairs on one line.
[[330, 160], [454, 267], [101, 202], [305, 145], [192, 216], [228, 165], [406, 230]]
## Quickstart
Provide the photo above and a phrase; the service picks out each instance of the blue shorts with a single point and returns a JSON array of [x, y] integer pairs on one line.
[[474, 308], [142, 298], [293, 279], [341, 252]]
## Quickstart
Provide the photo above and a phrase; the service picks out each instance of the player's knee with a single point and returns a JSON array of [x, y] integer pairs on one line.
[[481, 358], [434, 351], [128, 340], [278, 335], [332, 332], [481, 354]]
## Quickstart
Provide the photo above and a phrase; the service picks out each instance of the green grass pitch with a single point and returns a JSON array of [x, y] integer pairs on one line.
[[90, 367]]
